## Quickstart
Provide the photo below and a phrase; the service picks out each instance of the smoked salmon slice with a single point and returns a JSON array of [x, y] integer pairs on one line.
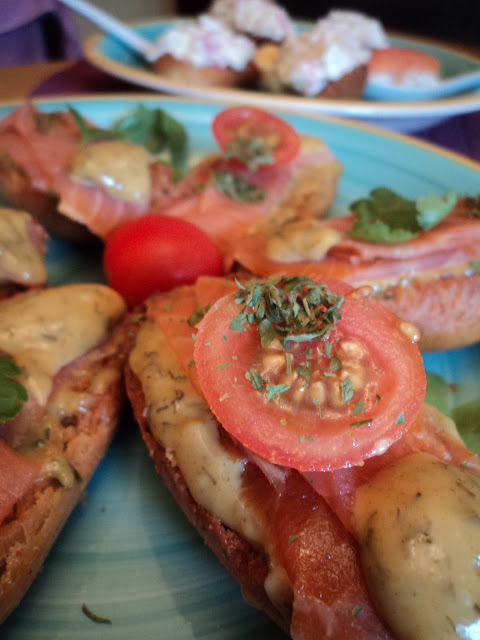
[[403, 66]]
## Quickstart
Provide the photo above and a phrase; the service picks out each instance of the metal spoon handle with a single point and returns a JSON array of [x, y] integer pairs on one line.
[[111, 25]]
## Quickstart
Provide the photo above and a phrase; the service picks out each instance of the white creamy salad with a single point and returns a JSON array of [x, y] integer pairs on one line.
[[259, 18], [206, 43], [338, 44]]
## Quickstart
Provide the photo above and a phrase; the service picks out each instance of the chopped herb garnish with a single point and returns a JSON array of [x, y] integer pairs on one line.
[[258, 383], [191, 364], [197, 314], [288, 363], [357, 610], [222, 366], [224, 397], [93, 616], [287, 308], [12, 393], [292, 538], [237, 187], [400, 419], [474, 265], [359, 423], [304, 370], [302, 439], [275, 390], [346, 389], [335, 364], [387, 217], [358, 408], [251, 151]]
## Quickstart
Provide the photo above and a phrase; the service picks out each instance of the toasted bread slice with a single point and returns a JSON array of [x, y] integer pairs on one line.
[[68, 343]]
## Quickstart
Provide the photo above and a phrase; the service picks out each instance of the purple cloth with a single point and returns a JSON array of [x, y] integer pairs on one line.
[[461, 134], [24, 32]]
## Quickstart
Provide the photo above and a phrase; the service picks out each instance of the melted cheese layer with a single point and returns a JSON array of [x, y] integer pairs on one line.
[[419, 525], [45, 330]]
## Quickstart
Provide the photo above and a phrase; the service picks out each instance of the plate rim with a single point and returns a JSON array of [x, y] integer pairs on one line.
[[448, 106]]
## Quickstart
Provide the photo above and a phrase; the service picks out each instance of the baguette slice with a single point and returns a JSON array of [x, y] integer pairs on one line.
[[75, 388], [248, 512], [298, 543]]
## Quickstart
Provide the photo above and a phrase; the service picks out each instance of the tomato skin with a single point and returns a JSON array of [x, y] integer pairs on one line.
[[157, 253], [295, 433], [259, 123]]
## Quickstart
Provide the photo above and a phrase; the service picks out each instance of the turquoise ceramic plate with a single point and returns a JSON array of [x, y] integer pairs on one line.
[[108, 54], [127, 552]]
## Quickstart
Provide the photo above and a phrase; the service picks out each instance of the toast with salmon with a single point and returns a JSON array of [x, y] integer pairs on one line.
[[78, 180], [428, 276], [85, 190], [62, 388], [304, 463]]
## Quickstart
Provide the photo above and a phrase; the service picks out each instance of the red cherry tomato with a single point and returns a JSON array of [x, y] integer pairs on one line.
[[319, 404], [241, 124], [157, 253]]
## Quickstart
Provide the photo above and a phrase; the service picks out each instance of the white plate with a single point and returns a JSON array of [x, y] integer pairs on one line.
[[109, 55], [127, 551]]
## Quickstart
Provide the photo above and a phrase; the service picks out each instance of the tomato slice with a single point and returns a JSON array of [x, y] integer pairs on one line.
[[255, 137], [317, 405]]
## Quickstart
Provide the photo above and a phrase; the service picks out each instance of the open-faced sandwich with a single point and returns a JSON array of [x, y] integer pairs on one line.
[[81, 181], [61, 396], [265, 171], [420, 258], [76, 177], [287, 418]]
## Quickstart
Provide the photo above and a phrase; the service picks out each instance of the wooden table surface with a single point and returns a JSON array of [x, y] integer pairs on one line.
[[18, 82]]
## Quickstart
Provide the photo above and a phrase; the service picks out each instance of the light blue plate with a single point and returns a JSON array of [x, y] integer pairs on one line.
[[127, 552], [111, 56]]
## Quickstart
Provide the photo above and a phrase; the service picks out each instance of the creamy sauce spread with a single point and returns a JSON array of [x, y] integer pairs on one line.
[[419, 530], [305, 240], [258, 18], [182, 422], [45, 330], [206, 43], [117, 166], [20, 260]]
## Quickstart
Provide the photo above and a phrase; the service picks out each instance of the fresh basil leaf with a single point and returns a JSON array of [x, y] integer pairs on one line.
[[387, 217], [432, 208], [439, 393], [89, 133], [12, 393], [155, 130], [466, 419]]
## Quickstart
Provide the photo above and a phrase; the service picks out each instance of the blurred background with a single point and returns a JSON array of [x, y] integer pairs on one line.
[[36, 30], [456, 20]]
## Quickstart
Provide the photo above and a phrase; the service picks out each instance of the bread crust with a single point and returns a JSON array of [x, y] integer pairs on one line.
[[185, 73], [247, 565], [28, 533]]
